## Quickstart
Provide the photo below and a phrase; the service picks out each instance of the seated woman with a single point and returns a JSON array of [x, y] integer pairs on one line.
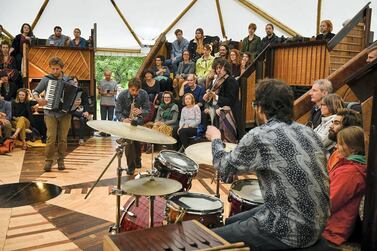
[[153, 88], [235, 62], [184, 68], [162, 74], [190, 120], [166, 120], [246, 60], [22, 116], [8, 63], [78, 41], [196, 45], [347, 185], [329, 105], [326, 31], [204, 65]]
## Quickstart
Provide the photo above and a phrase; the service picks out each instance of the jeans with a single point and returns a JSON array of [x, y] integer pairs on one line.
[[243, 227], [107, 112], [57, 128]]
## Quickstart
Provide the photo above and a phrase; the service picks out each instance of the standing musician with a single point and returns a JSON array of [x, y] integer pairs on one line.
[[133, 106], [290, 164], [57, 122]]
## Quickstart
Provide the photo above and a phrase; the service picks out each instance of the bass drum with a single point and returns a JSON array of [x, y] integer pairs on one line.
[[204, 208], [136, 217], [244, 195]]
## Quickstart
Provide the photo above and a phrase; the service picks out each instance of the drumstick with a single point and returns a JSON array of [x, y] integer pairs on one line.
[[226, 246]]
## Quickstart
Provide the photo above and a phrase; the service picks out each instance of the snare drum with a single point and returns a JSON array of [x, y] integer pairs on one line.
[[244, 195], [176, 166], [204, 208], [137, 217]]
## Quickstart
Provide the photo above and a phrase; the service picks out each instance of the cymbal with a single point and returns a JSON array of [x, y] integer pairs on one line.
[[127, 131], [26, 193], [201, 153], [152, 186]]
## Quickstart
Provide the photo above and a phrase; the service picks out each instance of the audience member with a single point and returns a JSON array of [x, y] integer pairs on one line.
[[6, 116], [204, 65], [223, 52], [344, 118], [326, 31], [177, 48], [245, 62], [190, 86], [196, 45], [152, 87], [77, 40], [185, 67], [107, 89], [167, 115], [9, 64], [8, 89], [58, 39], [347, 185], [270, 38], [22, 116], [235, 62], [82, 111], [18, 43], [320, 88], [190, 120], [372, 54], [329, 105], [3, 37], [252, 42], [162, 74]]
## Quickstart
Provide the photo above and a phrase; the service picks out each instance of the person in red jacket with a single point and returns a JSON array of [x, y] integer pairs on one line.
[[347, 185]]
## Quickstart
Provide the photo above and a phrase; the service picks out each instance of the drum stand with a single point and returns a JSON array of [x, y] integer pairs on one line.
[[115, 191]]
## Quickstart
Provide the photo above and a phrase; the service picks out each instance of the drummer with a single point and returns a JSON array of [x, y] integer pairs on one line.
[[290, 163], [133, 106]]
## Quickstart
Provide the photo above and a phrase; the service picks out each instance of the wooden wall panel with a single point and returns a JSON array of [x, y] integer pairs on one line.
[[251, 81]]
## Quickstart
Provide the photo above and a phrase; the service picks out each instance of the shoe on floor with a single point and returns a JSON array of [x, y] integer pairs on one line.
[[81, 142], [138, 164], [47, 167], [61, 165]]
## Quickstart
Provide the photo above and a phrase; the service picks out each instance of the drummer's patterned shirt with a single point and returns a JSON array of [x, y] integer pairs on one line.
[[290, 164]]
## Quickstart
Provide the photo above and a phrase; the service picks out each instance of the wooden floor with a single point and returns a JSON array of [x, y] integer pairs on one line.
[[68, 221]]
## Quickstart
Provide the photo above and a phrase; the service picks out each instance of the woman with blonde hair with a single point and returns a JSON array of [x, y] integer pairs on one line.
[[347, 185], [329, 105], [22, 115]]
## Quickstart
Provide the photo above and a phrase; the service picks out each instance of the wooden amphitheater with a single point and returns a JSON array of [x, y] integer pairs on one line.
[[69, 222]]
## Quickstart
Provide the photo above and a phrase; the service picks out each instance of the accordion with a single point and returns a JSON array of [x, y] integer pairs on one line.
[[61, 96]]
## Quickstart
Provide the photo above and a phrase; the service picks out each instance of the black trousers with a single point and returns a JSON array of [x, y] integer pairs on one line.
[[185, 134], [133, 155]]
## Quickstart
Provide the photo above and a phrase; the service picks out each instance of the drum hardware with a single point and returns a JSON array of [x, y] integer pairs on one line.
[[180, 216]]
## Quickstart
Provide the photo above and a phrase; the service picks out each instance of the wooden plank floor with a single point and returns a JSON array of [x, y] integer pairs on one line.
[[68, 221]]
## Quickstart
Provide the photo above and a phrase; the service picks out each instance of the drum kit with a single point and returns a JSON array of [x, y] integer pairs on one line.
[[161, 195]]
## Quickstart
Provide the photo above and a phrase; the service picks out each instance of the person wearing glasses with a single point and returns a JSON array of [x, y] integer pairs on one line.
[[289, 161]]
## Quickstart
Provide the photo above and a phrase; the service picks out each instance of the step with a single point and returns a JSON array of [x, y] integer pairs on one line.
[[349, 43], [341, 50], [340, 56]]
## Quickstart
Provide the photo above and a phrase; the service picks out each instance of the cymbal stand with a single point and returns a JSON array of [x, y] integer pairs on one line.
[[115, 191]]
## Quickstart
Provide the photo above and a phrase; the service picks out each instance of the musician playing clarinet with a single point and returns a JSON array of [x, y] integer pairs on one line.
[[57, 122], [290, 163], [132, 106]]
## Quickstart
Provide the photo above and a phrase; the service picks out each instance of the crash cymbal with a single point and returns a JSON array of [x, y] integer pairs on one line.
[[152, 186], [26, 193], [201, 153], [127, 131]]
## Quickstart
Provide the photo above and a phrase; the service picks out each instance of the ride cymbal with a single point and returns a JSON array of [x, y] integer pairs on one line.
[[151, 186]]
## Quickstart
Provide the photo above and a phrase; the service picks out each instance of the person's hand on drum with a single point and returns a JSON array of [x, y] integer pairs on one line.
[[213, 133]]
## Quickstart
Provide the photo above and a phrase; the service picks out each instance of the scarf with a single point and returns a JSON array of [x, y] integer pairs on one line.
[[166, 111], [357, 158]]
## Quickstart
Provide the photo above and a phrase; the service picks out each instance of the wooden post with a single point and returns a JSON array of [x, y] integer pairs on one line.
[[40, 12], [319, 11], [219, 13], [175, 21]]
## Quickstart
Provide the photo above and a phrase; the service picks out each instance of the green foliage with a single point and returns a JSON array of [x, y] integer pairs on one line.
[[123, 68]]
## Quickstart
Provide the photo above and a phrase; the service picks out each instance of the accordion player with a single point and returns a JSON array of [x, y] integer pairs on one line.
[[61, 95]]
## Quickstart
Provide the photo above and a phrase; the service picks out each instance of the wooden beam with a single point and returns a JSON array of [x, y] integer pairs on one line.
[[8, 33], [175, 21], [118, 50], [220, 18], [40, 12], [126, 23], [269, 17], [319, 12]]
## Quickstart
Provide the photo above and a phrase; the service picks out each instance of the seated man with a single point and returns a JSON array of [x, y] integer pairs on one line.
[[289, 161], [177, 48], [7, 89], [320, 88], [190, 86], [6, 116], [58, 39], [132, 106]]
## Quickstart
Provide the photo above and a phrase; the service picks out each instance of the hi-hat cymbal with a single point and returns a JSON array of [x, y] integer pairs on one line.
[[152, 186], [127, 131], [201, 153]]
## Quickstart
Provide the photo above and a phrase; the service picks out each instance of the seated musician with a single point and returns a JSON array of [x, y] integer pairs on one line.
[[57, 122], [326, 31], [289, 161], [132, 106], [347, 185]]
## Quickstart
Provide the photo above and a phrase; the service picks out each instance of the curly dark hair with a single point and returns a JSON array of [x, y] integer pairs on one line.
[[276, 99], [222, 63]]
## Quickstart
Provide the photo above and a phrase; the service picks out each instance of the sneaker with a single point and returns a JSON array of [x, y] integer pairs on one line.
[[47, 167], [61, 165], [81, 142]]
